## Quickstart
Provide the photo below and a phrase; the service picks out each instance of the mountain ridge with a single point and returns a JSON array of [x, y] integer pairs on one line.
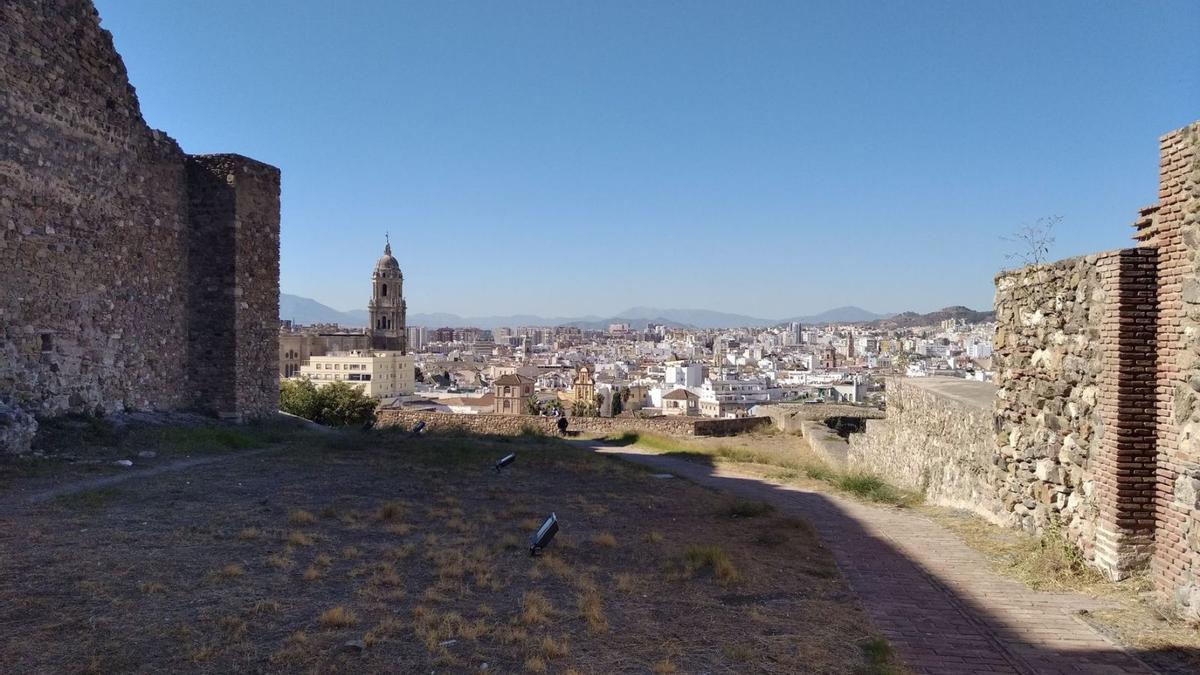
[[303, 310]]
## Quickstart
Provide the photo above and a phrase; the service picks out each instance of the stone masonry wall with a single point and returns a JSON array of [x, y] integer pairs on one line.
[[1074, 366], [935, 445], [511, 425], [97, 238]]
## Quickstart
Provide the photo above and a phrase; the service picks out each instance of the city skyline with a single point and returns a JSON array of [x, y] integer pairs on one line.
[[777, 162]]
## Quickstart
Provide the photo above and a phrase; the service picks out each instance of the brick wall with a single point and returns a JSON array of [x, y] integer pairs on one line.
[[101, 258], [1172, 228], [509, 425]]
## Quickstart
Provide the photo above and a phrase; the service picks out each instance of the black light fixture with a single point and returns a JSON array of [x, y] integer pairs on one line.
[[505, 461], [542, 537]]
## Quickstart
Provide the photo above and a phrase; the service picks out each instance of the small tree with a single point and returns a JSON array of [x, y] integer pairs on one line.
[[1033, 242], [618, 402], [335, 404]]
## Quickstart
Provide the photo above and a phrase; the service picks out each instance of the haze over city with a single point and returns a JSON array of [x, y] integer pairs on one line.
[[564, 160]]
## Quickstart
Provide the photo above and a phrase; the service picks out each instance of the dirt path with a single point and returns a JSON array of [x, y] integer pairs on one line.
[[931, 595], [18, 498]]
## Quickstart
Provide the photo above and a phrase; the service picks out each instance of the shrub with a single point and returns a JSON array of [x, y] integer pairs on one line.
[[335, 404]]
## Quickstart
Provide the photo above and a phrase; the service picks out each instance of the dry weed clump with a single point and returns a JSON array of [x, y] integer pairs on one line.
[[249, 534], [231, 571], [713, 558], [591, 608], [605, 540], [350, 552], [399, 529], [312, 573], [551, 648], [535, 608], [337, 617], [298, 538], [265, 607], [535, 664], [301, 517], [280, 561]]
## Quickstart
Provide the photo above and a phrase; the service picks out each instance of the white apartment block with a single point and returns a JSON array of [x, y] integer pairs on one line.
[[377, 374]]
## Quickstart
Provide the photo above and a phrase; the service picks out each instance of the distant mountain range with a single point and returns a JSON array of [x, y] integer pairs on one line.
[[308, 311]]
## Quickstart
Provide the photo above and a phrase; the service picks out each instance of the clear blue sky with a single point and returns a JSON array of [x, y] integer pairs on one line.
[[773, 159]]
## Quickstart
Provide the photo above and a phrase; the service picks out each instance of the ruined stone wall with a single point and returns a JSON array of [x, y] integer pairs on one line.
[[1074, 366], [939, 446], [96, 235], [511, 425]]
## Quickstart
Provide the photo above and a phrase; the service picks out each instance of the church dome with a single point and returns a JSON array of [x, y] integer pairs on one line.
[[386, 262]]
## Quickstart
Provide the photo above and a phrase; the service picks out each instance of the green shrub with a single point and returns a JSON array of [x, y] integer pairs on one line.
[[336, 404]]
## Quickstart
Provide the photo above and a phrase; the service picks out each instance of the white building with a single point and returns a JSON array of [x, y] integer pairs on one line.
[[690, 375], [732, 398], [979, 350], [378, 374]]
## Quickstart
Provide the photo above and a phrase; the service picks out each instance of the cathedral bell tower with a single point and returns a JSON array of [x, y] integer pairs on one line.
[[387, 307]]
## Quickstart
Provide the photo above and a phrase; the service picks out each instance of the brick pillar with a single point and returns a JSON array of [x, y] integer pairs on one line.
[[233, 294], [1125, 461], [1172, 227]]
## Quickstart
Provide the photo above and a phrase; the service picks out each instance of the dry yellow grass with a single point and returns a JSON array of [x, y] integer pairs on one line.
[[265, 607], [654, 537], [249, 534], [605, 540], [280, 562], [337, 617], [399, 529], [231, 570], [350, 552], [530, 524], [551, 648], [149, 587], [323, 560], [301, 517], [535, 664], [312, 573], [591, 608], [298, 538], [535, 608]]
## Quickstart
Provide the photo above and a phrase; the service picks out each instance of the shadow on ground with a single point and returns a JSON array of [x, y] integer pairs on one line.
[[934, 622]]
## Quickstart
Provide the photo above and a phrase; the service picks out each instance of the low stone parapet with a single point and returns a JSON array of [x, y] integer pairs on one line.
[[511, 425]]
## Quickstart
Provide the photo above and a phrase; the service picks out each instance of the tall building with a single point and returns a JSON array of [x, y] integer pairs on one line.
[[387, 307]]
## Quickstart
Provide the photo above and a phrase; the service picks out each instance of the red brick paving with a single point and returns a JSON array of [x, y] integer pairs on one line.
[[934, 598]]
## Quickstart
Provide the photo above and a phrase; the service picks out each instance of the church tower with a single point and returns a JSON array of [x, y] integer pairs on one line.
[[387, 307]]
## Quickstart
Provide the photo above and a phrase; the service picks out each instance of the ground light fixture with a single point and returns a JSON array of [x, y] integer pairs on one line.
[[505, 461], [542, 537]]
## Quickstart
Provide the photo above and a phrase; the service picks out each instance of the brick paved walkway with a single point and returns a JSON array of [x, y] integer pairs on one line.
[[929, 594]]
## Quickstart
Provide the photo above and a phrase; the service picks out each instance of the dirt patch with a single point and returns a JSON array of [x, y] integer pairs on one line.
[[385, 553]]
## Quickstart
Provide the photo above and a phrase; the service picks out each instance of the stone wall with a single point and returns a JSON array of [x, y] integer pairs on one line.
[[1075, 368], [939, 445], [510, 425], [98, 239]]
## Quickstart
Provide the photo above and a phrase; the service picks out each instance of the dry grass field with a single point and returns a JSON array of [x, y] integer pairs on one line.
[[377, 552]]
